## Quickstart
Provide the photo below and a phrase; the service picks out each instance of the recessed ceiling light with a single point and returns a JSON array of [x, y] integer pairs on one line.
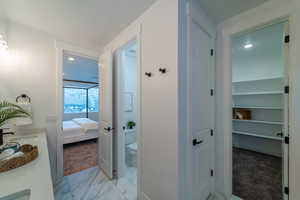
[[248, 46], [71, 59]]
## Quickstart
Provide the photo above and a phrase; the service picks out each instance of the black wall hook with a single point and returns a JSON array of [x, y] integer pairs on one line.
[[149, 74], [162, 70]]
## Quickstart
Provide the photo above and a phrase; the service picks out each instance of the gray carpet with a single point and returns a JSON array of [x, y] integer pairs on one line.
[[256, 176]]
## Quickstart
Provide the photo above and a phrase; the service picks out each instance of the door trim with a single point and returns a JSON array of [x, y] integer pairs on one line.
[[225, 120], [124, 38], [60, 48], [118, 92]]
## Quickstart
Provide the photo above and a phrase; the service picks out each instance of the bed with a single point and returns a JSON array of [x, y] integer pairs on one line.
[[79, 129]]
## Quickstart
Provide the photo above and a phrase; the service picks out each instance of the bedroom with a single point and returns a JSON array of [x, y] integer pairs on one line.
[[80, 112]]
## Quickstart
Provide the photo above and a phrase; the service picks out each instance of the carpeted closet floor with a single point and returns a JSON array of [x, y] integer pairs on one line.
[[79, 156], [256, 176]]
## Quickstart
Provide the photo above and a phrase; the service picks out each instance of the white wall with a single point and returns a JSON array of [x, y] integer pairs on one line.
[[30, 68], [159, 107], [263, 14]]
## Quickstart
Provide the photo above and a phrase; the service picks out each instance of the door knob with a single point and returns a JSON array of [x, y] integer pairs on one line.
[[279, 134], [196, 142], [108, 129]]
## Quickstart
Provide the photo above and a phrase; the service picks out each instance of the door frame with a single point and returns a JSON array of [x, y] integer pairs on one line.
[[118, 91], [60, 48], [226, 113], [133, 33]]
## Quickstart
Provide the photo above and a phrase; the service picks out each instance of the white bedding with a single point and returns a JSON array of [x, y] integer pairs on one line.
[[73, 132], [71, 128], [86, 124]]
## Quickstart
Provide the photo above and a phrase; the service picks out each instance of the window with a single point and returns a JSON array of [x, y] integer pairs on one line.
[[76, 101], [93, 99]]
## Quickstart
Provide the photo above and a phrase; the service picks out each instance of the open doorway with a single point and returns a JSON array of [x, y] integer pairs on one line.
[[260, 113], [126, 109], [80, 112]]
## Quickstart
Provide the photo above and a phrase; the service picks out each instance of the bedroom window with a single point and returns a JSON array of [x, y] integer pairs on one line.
[[74, 100], [79, 100], [93, 99]]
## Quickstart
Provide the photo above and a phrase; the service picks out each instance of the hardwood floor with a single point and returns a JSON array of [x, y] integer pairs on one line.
[[80, 156]]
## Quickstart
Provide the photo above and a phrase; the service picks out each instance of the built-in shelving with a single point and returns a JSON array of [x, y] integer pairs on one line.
[[258, 93], [257, 135], [257, 80], [264, 99], [258, 121], [253, 107]]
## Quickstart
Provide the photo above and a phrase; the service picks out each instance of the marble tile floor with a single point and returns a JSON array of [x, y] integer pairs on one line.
[[232, 198], [89, 184], [128, 183]]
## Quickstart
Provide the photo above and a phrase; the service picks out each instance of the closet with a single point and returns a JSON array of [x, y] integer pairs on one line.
[[259, 113]]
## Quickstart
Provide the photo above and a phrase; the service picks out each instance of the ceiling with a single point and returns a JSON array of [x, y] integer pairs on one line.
[[221, 10], [265, 59], [80, 69], [88, 23], [94, 23]]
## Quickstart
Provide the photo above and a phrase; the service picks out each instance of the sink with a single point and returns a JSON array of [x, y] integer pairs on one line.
[[22, 195]]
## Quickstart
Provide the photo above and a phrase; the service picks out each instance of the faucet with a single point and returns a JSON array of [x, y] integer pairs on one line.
[[2, 134]]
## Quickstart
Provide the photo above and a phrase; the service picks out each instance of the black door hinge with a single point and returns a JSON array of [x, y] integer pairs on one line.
[[287, 89], [211, 92], [286, 190], [287, 140], [211, 172], [287, 39], [211, 52], [211, 132]]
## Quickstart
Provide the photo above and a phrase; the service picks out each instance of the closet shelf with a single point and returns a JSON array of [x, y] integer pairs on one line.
[[258, 121], [259, 107], [257, 93], [257, 135], [255, 80]]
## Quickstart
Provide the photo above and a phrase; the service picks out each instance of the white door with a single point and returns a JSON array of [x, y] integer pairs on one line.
[[106, 115], [201, 104]]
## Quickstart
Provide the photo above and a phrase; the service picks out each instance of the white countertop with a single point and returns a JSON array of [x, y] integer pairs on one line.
[[35, 176]]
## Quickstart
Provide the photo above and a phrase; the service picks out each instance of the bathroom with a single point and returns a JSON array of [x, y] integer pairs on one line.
[[126, 148]]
